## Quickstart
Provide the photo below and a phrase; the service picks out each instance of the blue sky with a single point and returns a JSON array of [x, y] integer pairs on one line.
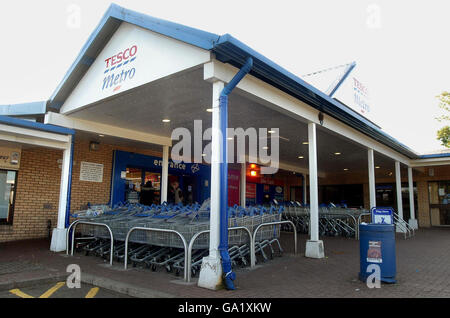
[[403, 45]]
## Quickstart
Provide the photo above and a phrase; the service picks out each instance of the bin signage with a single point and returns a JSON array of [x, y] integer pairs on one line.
[[382, 216], [374, 252]]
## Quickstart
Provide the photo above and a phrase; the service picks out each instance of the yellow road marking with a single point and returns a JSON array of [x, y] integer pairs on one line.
[[20, 293], [92, 292], [50, 292]]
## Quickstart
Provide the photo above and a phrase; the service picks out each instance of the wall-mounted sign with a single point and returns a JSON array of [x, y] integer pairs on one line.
[[10, 158], [92, 172]]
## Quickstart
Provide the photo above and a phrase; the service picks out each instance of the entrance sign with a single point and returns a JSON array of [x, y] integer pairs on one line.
[[92, 172], [382, 215]]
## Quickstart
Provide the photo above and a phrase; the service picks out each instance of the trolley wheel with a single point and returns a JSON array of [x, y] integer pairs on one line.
[[153, 268]]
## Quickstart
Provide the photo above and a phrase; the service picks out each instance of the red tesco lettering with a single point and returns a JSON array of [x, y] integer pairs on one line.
[[121, 56]]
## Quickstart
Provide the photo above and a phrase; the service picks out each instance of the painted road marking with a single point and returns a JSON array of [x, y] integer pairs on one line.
[[20, 293], [50, 292], [92, 292]]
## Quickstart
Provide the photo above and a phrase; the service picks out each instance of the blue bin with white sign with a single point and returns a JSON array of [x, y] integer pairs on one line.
[[377, 247]]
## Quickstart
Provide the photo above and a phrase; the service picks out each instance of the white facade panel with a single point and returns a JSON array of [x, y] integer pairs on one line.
[[133, 57]]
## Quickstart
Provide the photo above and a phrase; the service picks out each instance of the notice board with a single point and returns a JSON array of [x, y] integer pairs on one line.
[[91, 172]]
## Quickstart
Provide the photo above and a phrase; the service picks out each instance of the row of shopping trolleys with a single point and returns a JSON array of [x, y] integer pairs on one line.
[[334, 220], [161, 234]]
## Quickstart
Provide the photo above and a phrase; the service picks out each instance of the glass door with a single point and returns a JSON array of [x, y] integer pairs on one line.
[[7, 195]]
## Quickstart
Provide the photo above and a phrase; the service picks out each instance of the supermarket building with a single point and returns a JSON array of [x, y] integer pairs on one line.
[[106, 131]]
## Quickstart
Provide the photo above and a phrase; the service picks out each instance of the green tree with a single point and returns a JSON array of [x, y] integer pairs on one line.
[[443, 134]]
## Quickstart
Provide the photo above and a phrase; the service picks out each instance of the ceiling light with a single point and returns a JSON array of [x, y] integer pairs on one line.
[[203, 154], [300, 157], [101, 135], [345, 169], [265, 148], [305, 143], [271, 131], [209, 110], [377, 167], [166, 120], [337, 153], [230, 138]]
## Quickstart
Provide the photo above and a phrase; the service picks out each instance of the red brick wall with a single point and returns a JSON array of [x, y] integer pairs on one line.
[[38, 186]]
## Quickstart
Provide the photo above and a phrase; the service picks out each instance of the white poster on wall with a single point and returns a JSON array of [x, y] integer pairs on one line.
[[91, 172]]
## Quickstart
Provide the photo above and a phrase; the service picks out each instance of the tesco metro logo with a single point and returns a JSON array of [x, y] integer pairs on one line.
[[119, 68]]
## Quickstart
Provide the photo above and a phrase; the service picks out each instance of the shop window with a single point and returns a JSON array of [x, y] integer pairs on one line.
[[8, 181]]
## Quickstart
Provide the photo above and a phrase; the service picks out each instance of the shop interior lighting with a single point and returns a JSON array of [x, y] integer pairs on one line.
[[166, 120]]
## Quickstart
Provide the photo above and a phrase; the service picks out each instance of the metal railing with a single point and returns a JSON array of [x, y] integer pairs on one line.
[[68, 234], [191, 244], [404, 227], [253, 243], [149, 229], [400, 224], [76, 223]]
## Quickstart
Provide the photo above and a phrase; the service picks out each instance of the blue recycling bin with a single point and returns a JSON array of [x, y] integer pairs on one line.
[[377, 246]]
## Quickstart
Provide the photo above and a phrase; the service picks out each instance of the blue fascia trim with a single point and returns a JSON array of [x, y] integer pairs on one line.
[[33, 125], [346, 74], [196, 37], [34, 108], [436, 155], [199, 38]]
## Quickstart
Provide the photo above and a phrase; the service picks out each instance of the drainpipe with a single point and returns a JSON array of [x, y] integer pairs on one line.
[[223, 104], [69, 186]]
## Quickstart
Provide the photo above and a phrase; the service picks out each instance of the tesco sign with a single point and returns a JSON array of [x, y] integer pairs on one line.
[[119, 68]]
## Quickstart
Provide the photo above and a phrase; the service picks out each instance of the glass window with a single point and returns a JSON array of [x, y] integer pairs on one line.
[[7, 195]]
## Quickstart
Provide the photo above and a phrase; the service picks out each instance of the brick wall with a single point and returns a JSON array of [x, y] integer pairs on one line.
[[38, 187], [37, 195]]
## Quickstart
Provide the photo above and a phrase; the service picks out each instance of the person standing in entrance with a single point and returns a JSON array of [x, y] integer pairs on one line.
[[178, 194]]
